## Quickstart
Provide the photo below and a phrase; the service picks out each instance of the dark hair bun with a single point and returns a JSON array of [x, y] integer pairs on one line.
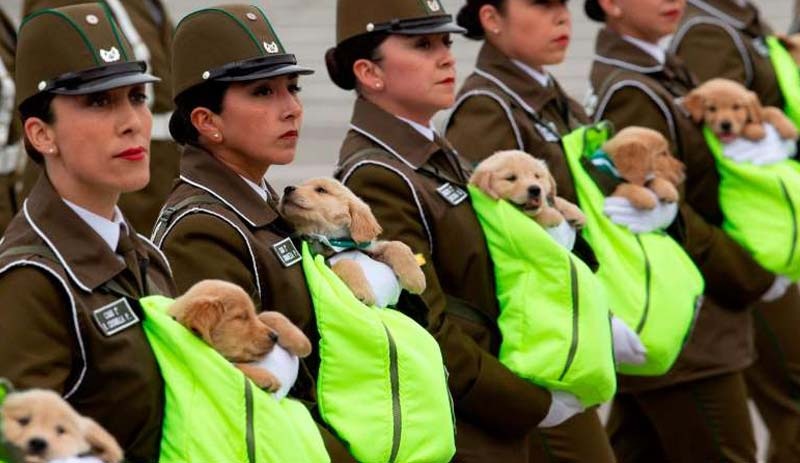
[[339, 71], [468, 19]]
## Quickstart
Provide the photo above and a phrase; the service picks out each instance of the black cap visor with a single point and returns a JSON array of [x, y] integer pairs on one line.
[[594, 11], [441, 24], [258, 68], [100, 79]]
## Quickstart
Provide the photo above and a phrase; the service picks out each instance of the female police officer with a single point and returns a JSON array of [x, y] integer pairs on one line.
[[70, 264], [237, 113], [396, 55]]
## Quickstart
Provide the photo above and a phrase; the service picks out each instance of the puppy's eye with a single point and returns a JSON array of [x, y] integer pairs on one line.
[[24, 421], [712, 109], [320, 190], [736, 107], [511, 178], [537, 176], [60, 430]]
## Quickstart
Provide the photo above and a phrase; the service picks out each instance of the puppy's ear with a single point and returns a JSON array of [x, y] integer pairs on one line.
[[482, 178], [364, 226], [693, 103], [552, 181], [755, 112], [200, 314], [634, 160], [103, 444]]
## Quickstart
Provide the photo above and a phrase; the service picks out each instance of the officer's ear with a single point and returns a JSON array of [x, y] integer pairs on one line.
[[208, 125], [491, 20], [41, 136], [369, 76]]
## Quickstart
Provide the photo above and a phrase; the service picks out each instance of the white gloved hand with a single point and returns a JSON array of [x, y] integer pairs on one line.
[[769, 150], [563, 406], [622, 212], [564, 234], [284, 366], [778, 289], [628, 348]]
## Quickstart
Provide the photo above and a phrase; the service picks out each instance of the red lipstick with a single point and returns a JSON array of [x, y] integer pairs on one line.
[[291, 134], [133, 154]]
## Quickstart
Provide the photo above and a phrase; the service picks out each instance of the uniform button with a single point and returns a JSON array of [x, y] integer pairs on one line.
[[206, 75], [92, 19], [42, 85], [370, 27]]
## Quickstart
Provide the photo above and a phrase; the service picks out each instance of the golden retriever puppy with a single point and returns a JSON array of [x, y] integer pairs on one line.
[[525, 181], [643, 160], [224, 316], [323, 207], [44, 427], [731, 110]]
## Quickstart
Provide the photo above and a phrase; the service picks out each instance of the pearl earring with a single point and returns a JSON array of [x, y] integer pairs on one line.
[[379, 85]]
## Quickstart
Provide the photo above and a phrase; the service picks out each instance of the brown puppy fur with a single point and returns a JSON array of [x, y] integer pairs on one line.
[[323, 206], [44, 427], [224, 316], [731, 111], [643, 160], [521, 179]]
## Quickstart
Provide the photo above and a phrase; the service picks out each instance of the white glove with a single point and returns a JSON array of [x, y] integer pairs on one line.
[[769, 150], [622, 212], [563, 406], [284, 366], [564, 235], [778, 289], [628, 348]]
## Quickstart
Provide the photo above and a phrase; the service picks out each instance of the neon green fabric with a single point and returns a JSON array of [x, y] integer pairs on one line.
[[788, 76], [4, 390], [760, 208], [381, 385], [651, 283], [554, 316], [209, 415]]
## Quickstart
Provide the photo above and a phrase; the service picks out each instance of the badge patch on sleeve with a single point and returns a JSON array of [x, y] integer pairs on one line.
[[287, 253], [452, 194], [115, 317]]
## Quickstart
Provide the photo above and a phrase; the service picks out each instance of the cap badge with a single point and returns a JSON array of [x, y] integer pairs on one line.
[[109, 56], [271, 47], [434, 6]]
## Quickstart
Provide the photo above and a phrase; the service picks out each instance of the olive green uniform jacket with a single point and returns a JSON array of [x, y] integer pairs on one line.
[[10, 130], [228, 232], [717, 38], [398, 177], [500, 107], [632, 88], [50, 335], [147, 26]]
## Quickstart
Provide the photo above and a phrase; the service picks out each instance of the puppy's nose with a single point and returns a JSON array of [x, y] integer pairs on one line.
[[37, 445], [273, 336], [725, 126], [534, 191], [288, 190]]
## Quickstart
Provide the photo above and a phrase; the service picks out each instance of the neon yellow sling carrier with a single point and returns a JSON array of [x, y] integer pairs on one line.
[[788, 78], [382, 385], [651, 283], [554, 316]]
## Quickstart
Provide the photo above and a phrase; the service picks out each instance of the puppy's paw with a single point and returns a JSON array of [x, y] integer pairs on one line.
[[754, 132], [351, 273], [261, 377], [549, 217], [400, 258], [639, 196], [571, 213], [290, 337], [412, 280], [664, 190]]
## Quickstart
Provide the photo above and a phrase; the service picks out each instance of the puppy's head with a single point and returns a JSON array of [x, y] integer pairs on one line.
[[725, 106], [636, 151], [517, 177], [324, 206], [224, 316], [44, 427]]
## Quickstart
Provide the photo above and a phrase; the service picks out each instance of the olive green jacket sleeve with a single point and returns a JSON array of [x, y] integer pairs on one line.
[[709, 51], [479, 128], [484, 390], [201, 246], [733, 278], [37, 347]]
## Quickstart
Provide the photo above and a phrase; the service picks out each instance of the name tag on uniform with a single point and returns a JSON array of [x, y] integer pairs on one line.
[[452, 194], [549, 132], [286, 252], [115, 317], [761, 46]]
